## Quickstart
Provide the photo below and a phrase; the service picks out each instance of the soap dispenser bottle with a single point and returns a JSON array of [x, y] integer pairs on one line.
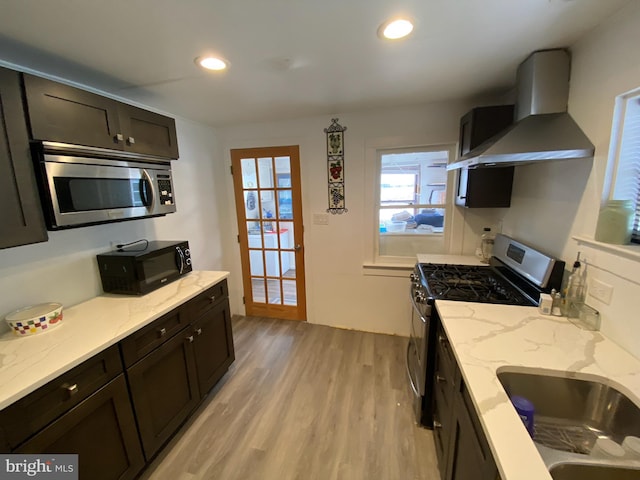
[[575, 289]]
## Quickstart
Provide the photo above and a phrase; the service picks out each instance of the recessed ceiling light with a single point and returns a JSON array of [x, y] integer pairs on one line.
[[395, 29], [211, 63]]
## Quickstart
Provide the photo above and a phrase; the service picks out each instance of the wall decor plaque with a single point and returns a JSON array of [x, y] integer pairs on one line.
[[335, 167]]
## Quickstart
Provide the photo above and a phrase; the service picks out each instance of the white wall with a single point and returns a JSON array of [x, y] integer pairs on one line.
[[64, 268], [553, 201], [338, 291]]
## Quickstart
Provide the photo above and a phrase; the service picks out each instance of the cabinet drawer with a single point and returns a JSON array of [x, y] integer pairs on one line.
[[145, 340], [207, 300], [33, 412]]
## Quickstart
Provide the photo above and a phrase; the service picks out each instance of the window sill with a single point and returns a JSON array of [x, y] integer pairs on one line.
[[631, 252], [412, 233], [388, 269]]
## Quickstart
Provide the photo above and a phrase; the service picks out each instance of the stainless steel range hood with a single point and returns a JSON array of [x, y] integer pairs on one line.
[[543, 130]]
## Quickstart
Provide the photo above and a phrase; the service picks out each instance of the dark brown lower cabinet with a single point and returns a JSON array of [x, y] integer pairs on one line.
[[461, 446], [164, 390], [213, 346], [470, 453], [101, 430]]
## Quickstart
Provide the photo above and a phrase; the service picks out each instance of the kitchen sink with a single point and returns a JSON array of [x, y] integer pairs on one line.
[[572, 413], [578, 471]]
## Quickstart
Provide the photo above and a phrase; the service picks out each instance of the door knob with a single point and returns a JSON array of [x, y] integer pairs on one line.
[[297, 248]]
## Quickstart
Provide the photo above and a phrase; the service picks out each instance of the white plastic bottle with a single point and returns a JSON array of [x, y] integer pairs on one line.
[[486, 244]]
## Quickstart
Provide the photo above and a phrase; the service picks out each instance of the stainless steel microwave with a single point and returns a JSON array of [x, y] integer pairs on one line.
[[85, 189]]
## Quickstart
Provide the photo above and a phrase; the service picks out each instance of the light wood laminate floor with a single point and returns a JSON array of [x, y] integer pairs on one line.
[[304, 401]]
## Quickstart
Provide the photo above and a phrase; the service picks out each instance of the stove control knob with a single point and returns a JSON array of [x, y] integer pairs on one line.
[[420, 297], [414, 278]]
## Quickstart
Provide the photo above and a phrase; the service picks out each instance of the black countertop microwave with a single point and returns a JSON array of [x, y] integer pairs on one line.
[[142, 268]]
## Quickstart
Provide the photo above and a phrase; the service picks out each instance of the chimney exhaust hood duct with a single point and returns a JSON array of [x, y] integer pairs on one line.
[[543, 130]]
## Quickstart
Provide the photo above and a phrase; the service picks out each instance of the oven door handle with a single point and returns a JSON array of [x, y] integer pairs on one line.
[[413, 385]]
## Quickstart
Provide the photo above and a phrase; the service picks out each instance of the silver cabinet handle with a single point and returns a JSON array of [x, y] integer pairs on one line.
[[212, 298], [118, 137], [199, 331], [162, 332], [71, 389], [131, 140], [437, 424], [190, 338], [440, 379]]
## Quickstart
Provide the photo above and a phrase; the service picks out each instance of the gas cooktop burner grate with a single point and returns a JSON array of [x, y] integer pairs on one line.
[[470, 284]]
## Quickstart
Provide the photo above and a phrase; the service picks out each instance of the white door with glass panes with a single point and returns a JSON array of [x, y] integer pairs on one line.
[[268, 206]]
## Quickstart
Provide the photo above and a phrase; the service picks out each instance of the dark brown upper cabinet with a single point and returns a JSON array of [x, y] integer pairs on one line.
[[21, 215], [484, 187], [66, 114]]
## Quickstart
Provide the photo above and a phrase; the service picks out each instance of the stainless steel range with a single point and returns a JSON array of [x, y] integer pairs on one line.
[[516, 275]]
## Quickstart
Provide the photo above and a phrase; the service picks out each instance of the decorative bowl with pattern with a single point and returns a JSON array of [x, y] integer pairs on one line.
[[34, 319]]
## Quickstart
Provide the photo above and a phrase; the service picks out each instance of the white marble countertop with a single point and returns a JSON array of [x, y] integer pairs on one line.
[[88, 328], [486, 338]]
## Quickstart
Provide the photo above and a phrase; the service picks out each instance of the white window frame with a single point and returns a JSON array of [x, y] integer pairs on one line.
[[453, 221], [618, 167]]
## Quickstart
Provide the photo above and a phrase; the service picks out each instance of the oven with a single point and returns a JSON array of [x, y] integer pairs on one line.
[[420, 346], [516, 275]]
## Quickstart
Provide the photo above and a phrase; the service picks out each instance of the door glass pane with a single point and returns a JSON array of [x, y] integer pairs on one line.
[[283, 169], [251, 204], [273, 292], [288, 260], [253, 229], [286, 235], [268, 204], [256, 263], [255, 237], [265, 167], [289, 290], [249, 176], [258, 290], [285, 207], [273, 263]]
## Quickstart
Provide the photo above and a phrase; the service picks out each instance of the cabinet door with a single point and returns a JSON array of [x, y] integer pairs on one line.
[[101, 430], [164, 390], [472, 458], [213, 346], [61, 113], [485, 187], [148, 132], [21, 214]]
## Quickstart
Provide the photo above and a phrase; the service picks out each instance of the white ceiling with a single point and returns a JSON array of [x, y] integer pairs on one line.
[[289, 58]]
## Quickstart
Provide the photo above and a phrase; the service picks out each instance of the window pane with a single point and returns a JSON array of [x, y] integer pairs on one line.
[[249, 176], [413, 188]]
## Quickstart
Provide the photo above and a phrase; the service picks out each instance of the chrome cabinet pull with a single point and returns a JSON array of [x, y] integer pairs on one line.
[[118, 137], [440, 379], [199, 331], [190, 338], [162, 332], [212, 298], [131, 140], [71, 389], [437, 424]]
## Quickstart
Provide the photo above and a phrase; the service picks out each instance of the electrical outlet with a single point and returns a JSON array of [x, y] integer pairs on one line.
[[601, 291]]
